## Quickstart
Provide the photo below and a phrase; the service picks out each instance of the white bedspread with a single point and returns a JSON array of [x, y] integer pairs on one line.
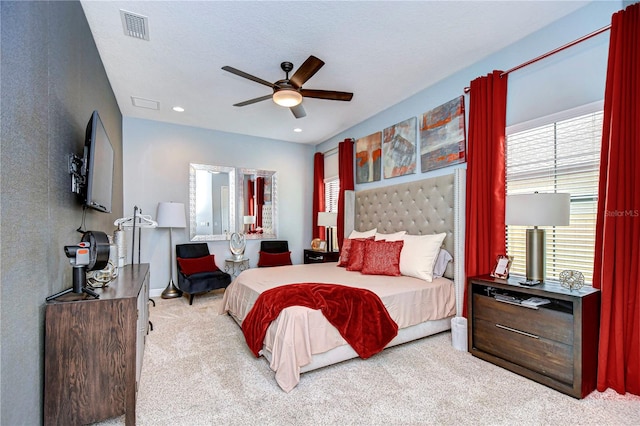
[[299, 332]]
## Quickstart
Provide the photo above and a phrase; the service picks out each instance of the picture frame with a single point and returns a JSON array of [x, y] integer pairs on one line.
[[318, 245], [501, 268]]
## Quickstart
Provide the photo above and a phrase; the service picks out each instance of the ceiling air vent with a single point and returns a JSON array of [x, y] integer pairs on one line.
[[135, 25], [145, 103]]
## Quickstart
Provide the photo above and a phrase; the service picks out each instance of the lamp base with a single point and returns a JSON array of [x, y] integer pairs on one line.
[[535, 269], [171, 292]]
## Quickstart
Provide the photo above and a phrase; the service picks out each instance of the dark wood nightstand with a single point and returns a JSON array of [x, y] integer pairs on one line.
[[313, 256], [555, 344]]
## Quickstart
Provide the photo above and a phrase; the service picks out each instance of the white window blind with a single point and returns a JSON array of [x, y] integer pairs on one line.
[[561, 156], [331, 189]]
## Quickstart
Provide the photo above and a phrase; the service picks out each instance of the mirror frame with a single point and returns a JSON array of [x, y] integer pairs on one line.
[[240, 173], [192, 202]]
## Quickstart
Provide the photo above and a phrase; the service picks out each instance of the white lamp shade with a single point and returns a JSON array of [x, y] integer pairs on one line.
[[538, 209], [171, 215], [249, 220], [327, 219], [287, 97]]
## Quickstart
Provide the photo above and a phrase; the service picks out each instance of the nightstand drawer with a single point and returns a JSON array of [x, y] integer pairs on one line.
[[548, 323], [313, 256], [548, 357]]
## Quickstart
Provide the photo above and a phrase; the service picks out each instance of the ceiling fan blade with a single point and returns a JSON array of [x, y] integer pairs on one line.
[[248, 76], [298, 111], [326, 94], [253, 101], [306, 71]]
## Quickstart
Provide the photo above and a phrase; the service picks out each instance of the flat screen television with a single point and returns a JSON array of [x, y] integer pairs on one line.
[[98, 163]]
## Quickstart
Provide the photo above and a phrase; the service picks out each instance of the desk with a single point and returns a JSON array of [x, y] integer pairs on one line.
[[234, 266]]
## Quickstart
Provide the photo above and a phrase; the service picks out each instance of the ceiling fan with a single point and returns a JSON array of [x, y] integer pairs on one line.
[[289, 92]]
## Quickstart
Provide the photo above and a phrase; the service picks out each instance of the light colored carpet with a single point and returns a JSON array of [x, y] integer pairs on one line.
[[198, 371]]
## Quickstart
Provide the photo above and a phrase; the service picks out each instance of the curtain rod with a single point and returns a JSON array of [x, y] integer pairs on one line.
[[552, 52], [331, 151], [334, 150]]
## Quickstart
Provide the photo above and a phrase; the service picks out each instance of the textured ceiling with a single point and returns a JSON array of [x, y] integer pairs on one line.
[[383, 52]]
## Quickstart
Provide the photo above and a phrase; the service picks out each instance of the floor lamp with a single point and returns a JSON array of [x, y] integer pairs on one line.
[[171, 215], [328, 220], [537, 210]]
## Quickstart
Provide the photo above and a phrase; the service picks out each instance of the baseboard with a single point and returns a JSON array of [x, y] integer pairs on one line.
[[155, 292]]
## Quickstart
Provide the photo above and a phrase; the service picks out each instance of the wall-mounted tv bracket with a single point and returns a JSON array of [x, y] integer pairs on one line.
[[78, 173]]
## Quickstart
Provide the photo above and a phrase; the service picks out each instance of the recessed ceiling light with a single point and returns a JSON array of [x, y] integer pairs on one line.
[[297, 130], [178, 109]]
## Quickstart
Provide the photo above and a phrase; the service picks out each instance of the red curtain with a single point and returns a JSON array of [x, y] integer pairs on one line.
[[250, 204], [486, 175], [345, 174], [617, 250], [318, 194], [259, 200]]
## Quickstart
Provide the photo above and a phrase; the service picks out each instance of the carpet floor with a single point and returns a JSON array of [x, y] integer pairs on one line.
[[197, 370]]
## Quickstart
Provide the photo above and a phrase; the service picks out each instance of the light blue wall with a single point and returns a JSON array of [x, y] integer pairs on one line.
[[568, 78], [156, 168]]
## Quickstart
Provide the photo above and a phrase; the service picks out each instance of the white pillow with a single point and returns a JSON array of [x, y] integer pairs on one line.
[[443, 259], [396, 236], [366, 234], [419, 254]]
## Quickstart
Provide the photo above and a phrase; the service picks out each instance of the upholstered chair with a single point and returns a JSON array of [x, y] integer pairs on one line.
[[197, 270], [274, 253]]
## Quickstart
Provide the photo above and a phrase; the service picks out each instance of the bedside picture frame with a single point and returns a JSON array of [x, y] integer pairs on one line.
[[501, 269], [318, 245]]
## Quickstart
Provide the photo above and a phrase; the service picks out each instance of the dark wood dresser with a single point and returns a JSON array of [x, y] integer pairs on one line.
[[555, 344], [315, 256], [93, 351]]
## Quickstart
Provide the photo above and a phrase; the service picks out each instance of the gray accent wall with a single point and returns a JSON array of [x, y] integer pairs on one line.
[[52, 78]]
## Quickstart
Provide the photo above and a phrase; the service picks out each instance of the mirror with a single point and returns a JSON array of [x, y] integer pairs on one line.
[[212, 196], [257, 203]]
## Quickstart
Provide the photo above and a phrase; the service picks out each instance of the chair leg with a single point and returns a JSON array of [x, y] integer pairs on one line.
[[191, 296]]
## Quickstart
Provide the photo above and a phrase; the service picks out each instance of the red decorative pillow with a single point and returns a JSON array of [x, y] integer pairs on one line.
[[382, 258], [274, 259], [345, 250], [190, 266], [356, 255]]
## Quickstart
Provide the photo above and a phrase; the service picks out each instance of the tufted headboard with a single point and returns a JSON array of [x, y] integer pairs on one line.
[[428, 206]]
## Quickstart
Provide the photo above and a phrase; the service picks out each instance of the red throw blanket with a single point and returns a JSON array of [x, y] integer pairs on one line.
[[358, 314]]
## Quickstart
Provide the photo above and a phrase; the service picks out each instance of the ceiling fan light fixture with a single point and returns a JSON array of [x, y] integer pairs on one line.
[[287, 97]]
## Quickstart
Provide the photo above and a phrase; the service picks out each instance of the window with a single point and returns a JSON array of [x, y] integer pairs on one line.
[[331, 190], [561, 156]]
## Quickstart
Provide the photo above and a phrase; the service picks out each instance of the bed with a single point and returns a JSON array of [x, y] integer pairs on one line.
[[301, 339]]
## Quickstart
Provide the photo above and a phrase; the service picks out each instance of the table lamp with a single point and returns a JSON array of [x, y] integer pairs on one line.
[[248, 220], [328, 220], [171, 215], [537, 210]]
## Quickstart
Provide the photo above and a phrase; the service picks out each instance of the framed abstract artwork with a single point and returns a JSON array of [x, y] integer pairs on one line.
[[399, 149], [442, 136], [368, 158]]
